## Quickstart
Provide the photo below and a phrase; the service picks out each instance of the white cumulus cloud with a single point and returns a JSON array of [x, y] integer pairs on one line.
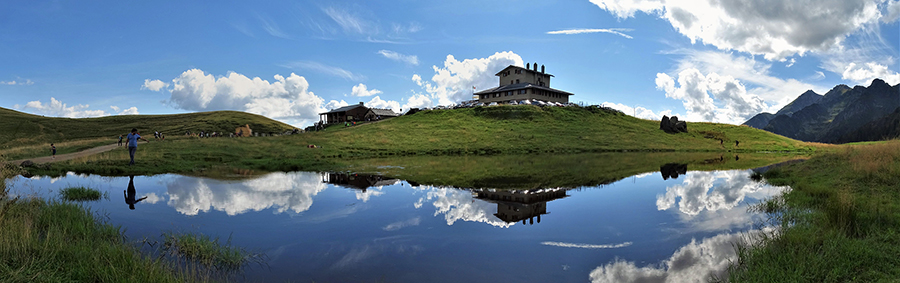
[[865, 73], [753, 76], [377, 102], [454, 81], [775, 29], [638, 111], [711, 97], [418, 101], [57, 108], [362, 90], [285, 98], [154, 85], [893, 12], [408, 59]]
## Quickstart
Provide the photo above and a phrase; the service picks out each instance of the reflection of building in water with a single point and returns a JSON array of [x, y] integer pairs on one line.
[[521, 205], [357, 181]]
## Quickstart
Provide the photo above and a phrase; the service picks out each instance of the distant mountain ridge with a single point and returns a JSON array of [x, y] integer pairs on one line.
[[837, 116]]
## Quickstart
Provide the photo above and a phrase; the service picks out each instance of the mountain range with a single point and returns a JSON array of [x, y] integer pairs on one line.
[[842, 115]]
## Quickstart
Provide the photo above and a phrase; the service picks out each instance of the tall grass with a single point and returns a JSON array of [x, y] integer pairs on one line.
[[839, 223], [880, 160], [48, 241]]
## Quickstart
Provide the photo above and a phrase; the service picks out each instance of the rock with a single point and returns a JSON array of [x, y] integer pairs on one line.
[[27, 163], [672, 125]]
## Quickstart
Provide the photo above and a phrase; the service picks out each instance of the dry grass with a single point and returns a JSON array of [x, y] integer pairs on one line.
[[875, 160]]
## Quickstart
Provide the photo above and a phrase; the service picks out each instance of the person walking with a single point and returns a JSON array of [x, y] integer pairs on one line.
[[133, 137], [52, 151], [120, 140]]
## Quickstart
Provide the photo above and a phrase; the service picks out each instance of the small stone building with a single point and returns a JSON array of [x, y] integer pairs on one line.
[[243, 131]]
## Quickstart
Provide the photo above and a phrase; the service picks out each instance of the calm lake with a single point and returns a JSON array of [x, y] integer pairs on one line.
[[325, 227]]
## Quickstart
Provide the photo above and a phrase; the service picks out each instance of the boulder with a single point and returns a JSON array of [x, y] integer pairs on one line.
[[27, 163], [672, 125]]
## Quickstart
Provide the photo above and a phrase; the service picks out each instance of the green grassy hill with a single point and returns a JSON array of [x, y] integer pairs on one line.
[[518, 129], [507, 130], [21, 129]]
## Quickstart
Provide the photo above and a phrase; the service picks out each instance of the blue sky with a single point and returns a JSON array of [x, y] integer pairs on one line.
[[720, 61]]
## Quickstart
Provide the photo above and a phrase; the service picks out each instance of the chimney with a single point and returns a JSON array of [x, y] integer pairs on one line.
[[360, 104], [542, 69], [527, 65], [535, 66]]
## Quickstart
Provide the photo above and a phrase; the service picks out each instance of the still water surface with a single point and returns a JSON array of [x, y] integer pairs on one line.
[[343, 228]]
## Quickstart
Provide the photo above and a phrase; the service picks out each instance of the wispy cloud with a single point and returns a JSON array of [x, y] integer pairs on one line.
[[242, 28], [17, 81], [272, 28], [616, 31], [324, 69], [361, 25], [409, 59], [585, 246], [350, 23]]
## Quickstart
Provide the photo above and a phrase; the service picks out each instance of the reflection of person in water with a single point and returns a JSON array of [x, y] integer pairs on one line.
[[130, 193]]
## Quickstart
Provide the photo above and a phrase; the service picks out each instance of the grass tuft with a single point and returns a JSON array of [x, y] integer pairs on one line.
[[80, 194], [206, 250]]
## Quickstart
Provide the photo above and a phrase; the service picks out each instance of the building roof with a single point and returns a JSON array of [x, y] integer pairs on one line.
[[519, 86], [384, 112], [344, 109], [517, 67]]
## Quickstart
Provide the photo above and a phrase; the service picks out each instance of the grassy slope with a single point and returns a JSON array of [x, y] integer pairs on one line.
[[20, 129], [840, 222], [475, 131], [530, 129]]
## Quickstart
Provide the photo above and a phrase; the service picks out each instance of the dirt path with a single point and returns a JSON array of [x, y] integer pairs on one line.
[[69, 156]]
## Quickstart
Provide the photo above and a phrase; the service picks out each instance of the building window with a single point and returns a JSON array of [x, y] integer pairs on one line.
[[521, 91], [517, 80]]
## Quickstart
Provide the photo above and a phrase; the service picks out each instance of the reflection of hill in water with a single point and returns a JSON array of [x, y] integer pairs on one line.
[[550, 170]]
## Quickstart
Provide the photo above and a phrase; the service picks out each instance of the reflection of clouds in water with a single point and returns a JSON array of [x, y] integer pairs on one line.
[[458, 204], [286, 191], [586, 246], [402, 224], [728, 189], [695, 262], [152, 198], [371, 192], [377, 248], [641, 176]]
